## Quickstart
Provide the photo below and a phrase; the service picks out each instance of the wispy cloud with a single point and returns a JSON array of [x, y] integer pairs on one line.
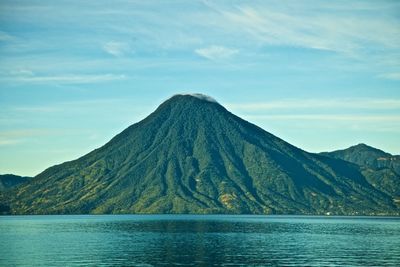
[[78, 105], [38, 109], [8, 141], [117, 48], [361, 114], [355, 103], [149, 32], [22, 73], [5, 36], [12, 137], [30, 77], [391, 76], [328, 29], [216, 52], [330, 117]]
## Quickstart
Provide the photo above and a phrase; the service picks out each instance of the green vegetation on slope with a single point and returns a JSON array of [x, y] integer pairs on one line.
[[8, 181], [381, 169], [193, 156]]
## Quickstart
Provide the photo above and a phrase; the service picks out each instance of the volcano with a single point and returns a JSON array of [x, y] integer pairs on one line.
[[191, 155]]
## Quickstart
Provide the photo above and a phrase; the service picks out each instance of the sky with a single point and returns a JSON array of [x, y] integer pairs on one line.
[[322, 75]]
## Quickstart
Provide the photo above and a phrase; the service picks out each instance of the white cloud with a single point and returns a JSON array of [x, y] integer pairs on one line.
[[216, 52], [355, 103], [22, 72], [5, 142], [12, 137], [41, 109], [391, 76], [5, 36], [202, 97], [329, 117], [71, 79], [117, 48], [361, 114], [78, 105], [327, 29]]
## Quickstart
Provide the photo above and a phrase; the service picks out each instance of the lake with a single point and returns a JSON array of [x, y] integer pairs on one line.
[[198, 240]]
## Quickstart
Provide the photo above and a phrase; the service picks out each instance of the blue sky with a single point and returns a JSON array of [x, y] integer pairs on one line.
[[322, 75]]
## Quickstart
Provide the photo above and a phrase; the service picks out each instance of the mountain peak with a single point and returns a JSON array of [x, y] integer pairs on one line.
[[364, 147], [192, 104], [360, 154], [198, 96], [359, 149]]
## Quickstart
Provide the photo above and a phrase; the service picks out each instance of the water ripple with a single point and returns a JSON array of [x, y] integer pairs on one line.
[[166, 240]]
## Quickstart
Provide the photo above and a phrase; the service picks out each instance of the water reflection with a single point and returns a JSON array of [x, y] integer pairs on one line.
[[198, 241]]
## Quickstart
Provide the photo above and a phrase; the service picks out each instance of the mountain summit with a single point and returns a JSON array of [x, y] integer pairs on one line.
[[202, 97], [193, 156]]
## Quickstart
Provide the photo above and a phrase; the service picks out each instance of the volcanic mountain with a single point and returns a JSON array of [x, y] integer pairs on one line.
[[193, 156]]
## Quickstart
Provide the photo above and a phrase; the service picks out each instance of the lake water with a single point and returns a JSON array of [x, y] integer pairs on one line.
[[198, 240]]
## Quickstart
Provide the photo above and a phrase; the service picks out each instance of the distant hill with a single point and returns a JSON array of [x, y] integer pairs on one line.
[[381, 169], [193, 156], [8, 181], [365, 155]]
